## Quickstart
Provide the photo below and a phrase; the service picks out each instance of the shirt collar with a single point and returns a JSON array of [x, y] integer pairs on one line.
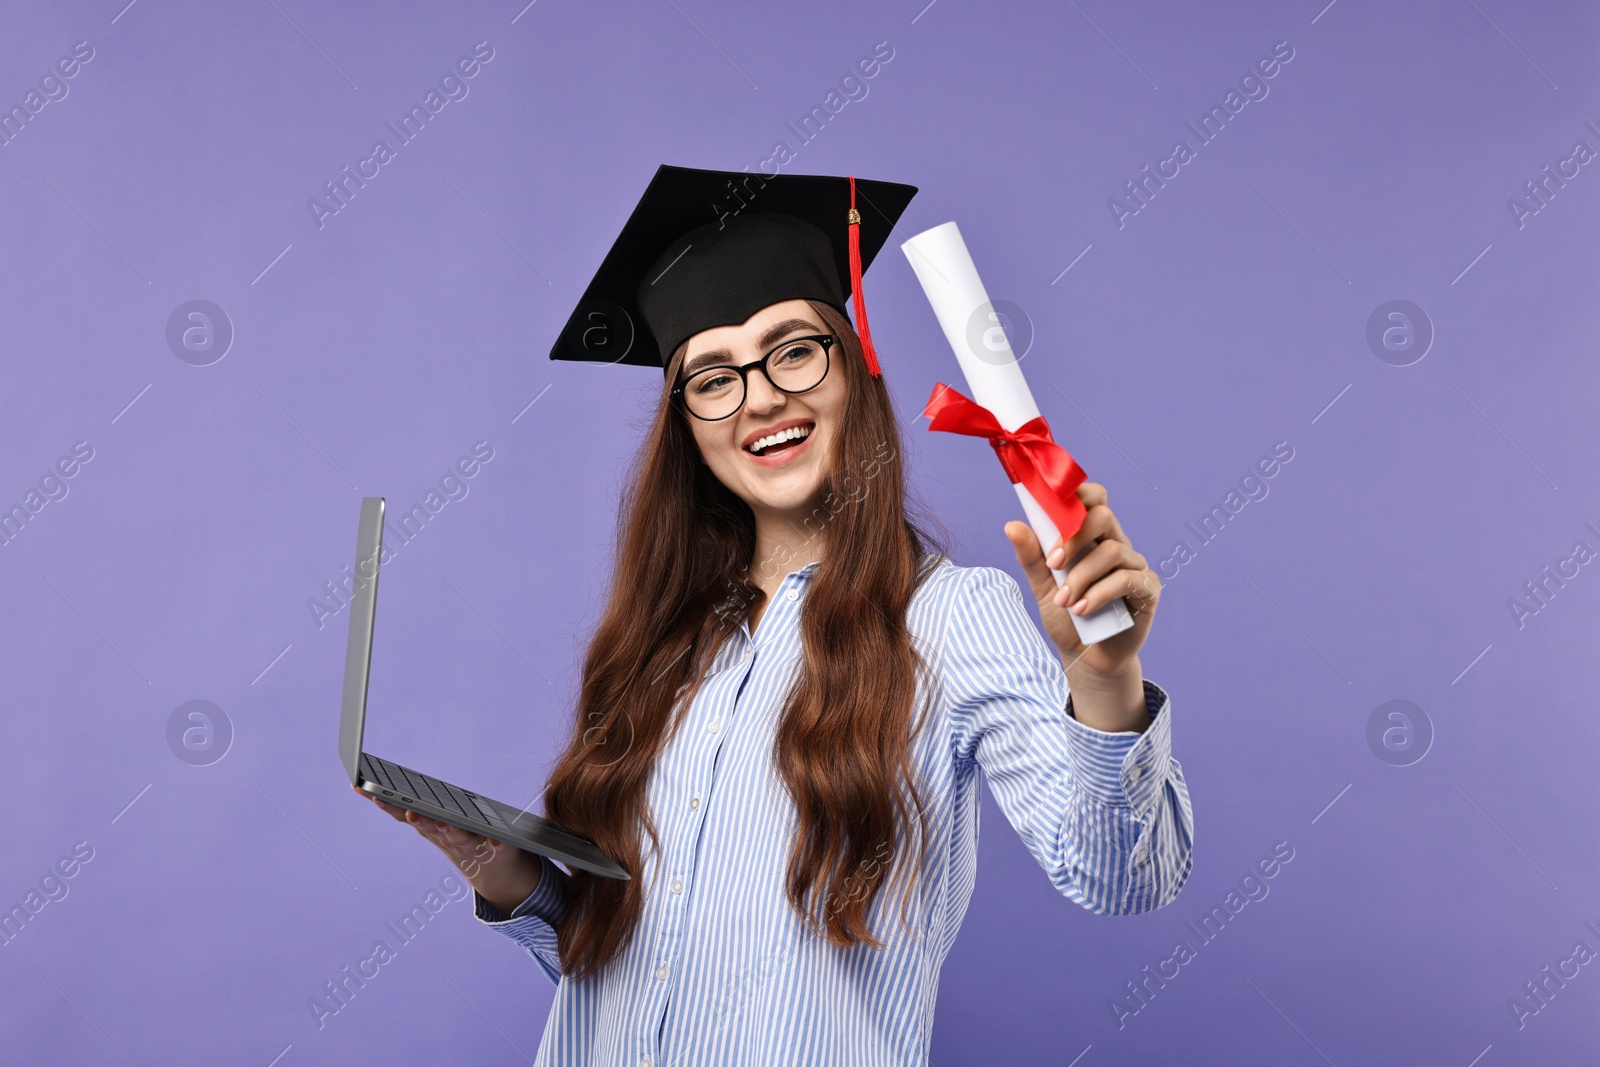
[[811, 568]]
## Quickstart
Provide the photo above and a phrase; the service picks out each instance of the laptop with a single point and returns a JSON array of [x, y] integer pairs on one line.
[[406, 788]]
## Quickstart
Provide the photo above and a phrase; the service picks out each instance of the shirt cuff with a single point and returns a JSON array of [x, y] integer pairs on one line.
[[1125, 768], [545, 902]]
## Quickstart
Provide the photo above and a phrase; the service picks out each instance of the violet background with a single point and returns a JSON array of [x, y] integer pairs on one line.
[[1229, 314]]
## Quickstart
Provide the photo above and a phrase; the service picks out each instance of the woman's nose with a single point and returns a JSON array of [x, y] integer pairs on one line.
[[760, 394]]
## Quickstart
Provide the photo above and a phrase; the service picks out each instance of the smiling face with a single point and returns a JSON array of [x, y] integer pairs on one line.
[[785, 480]]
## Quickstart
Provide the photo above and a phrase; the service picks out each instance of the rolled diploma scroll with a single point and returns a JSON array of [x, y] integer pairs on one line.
[[942, 264]]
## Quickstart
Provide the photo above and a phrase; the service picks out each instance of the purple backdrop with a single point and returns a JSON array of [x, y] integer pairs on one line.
[[189, 485]]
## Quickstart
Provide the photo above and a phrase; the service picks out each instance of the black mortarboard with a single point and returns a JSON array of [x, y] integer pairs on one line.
[[708, 248]]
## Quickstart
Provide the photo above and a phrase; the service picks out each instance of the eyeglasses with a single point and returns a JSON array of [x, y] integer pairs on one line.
[[795, 366]]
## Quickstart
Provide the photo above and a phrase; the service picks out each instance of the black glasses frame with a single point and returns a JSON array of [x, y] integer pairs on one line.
[[827, 341]]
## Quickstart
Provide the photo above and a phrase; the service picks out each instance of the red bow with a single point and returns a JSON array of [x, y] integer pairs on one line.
[[1029, 454]]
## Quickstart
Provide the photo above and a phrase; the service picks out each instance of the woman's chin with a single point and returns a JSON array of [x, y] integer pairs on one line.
[[796, 498], [790, 487]]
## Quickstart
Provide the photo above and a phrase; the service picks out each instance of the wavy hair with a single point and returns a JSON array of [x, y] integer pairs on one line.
[[843, 742]]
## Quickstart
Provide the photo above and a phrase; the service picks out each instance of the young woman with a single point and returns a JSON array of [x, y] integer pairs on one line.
[[787, 701]]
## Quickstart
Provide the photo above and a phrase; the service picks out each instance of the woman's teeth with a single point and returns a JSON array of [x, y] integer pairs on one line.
[[794, 433]]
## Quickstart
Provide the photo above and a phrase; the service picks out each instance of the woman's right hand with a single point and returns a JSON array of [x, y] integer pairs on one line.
[[503, 874]]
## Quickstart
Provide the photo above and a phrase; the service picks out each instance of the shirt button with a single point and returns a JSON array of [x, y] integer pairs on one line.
[[1135, 773], [644, 1061], [793, 595], [694, 804], [661, 972], [677, 886], [1139, 854], [746, 657], [714, 725]]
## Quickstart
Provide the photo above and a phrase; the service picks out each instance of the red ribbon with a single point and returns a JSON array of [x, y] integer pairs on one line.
[[1029, 454]]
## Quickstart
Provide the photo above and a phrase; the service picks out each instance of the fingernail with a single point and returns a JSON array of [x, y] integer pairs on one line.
[[1056, 556], [1081, 606]]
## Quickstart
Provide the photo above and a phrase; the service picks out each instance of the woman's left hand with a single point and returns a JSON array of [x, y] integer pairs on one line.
[[1112, 569]]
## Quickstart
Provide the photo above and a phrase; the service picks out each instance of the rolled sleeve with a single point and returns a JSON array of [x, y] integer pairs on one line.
[[532, 924]]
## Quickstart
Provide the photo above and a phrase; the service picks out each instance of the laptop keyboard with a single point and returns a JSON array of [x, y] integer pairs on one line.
[[428, 788]]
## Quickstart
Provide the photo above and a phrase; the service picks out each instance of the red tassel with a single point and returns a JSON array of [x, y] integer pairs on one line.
[[862, 329]]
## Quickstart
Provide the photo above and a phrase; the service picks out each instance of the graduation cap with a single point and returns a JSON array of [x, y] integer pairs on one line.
[[708, 248]]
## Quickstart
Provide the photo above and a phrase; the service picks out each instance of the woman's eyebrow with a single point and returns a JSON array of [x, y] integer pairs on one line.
[[771, 337]]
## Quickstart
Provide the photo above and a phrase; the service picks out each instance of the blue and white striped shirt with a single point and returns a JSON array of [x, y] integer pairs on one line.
[[721, 970]]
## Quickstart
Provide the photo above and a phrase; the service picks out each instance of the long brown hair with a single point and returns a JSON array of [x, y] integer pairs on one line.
[[680, 586]]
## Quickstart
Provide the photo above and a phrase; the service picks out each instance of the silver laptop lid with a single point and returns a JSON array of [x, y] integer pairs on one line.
[[358, 650]]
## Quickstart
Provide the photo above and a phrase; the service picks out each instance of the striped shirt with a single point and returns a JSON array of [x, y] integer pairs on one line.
[[720, 969]]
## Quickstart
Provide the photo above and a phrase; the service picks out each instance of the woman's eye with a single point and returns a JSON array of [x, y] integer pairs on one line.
[[716, 381]]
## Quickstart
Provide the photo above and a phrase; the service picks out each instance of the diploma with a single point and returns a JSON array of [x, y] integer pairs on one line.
[[1002, 407]]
